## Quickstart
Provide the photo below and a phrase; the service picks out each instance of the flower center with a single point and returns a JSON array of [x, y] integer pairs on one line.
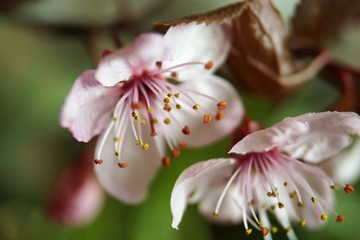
[[274, 181], [159, 103]]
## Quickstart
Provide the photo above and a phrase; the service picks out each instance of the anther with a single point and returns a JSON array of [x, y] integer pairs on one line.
[[269, 194], [182, 145], [340, 218], [155, 121], [215, 215], [175, 152], [253, 202], [150, 110], [302, 223], [142, 122], [169, 95], [281, 205], [314, 199], [300, 204], [117, 153], [153, 134], [285, 184], [145, 146], [196, 106], [288, 229], [177, 95], [136, 105], [165, 161], [324, 217], [139, 142], [167, 107], [248, 231], [186, 130], [265, 207], [259, 223], [96, 161], [274, 230], [333, 187], [264, 231], [174, 75], [207, 118], [222, 105], [106, 52], [178, 106], [123, 165], [273, 207], [117, 139], [348, 188], [209, 65], [115, 119], [167, 120], [219, 115], [158, 64], [166, 100], [293, 194]]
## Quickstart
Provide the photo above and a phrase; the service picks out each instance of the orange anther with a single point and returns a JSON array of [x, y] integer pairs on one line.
[[174, 75], [348, 188], [123, 165], [209, 65], [340, 218], [106, 52], [186, 130], [136, 105], [167, 107], [96, 161], [207, 118], [264, 231], [222, 105], [219, 115], [165, 161], [182, 145], [175, 152]]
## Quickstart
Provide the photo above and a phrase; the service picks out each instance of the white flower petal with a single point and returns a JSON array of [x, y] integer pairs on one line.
[[128, 184], [132, 60], [203, 134], [283, 133], [329, 133], [87, 107], [198, 176], [197, 43], [345, 166]]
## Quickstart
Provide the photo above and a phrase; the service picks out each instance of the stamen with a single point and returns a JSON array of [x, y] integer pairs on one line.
[[182, 145], [117, 153], [186, 130], [340, 218], [158, 64], [324, 217], [222, 105], [300, 204], [177, 95], [264, 231], [196, 106], [302, 223], [166, 100], [146, 146], [314, 199], [174, 75], [136, 105], [175, 152], [167, 107], [165, 161], [274, 230], [207, 118], [281, 205], [96, 161], [349, 188], [167, 121], [248, 231], [178, 106], [117, 139], [123, 164], [209, 65], [288, 229], [219, 115]]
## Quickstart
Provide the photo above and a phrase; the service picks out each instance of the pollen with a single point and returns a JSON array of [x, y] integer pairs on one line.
[[166, 100], [293, 194], [169, 95], [248, 231], [314, 199], [340, 218], [273, 207], [175, 153], [165, 161], [96, 161], [207, 118], [145, 146], [139, 142], [222, 105], [324, 217], [264, 231], [186, 130], [123, 165], [167, 121], [219, 115], [300, 204], [349, 189], [196, 106], [259, 223], [302, 223], [209, 65]]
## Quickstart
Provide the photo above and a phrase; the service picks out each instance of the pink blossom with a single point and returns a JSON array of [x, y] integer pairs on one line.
[[271, 170], [159, 90]]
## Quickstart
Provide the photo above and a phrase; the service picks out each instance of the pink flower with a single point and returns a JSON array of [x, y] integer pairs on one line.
[[271, 170], [160, 90]]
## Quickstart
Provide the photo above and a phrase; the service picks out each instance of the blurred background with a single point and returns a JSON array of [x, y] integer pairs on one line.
[[45, 45]]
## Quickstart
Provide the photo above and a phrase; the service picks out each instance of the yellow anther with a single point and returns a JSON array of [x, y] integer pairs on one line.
[[166, 100], [116, 119], [136, 117], [273, 207], [302, 223], [314, 199], [117, 153], [281, 205], [276, 189], [139, 142], [300, 204], [167, 120], [259, 223], [248, 231], [178, 106], [169, 95], [133, 114], [196, 106], [274, 230], [293, 194], [142, 122], [135, 122], [288, 229], [177, 95], [324, 217], [285, 184], [155, 121], [150, 110], [265, 207], [117, 139], [269, 194], [215, 215], [145, 146]]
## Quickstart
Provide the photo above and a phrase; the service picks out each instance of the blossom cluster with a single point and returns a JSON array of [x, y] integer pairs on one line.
[[156, 96]]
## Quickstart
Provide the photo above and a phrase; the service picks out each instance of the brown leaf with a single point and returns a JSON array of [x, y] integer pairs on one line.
[[316, 20], [219, 16]]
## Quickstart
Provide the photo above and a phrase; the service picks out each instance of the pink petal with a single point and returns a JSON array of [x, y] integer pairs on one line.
[[132, 60], [87, 107], [329, 133], [199, 43], [203, 134], [128, 184], [285, 132], [198, 177]]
